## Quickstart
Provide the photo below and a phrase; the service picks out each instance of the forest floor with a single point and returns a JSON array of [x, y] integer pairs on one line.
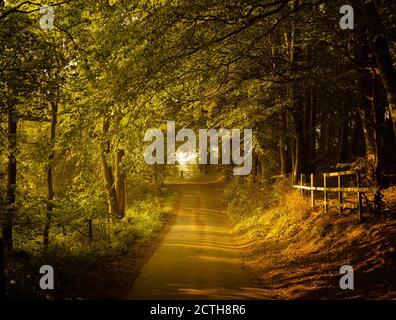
[[304, 262]]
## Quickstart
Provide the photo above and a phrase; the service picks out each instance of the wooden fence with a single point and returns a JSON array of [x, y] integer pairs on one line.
[[339, 189]]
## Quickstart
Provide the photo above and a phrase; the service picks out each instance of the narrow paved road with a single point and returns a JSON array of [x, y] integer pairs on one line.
[[198, 258]]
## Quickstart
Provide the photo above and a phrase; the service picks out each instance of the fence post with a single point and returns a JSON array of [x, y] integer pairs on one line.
[[90, 230], [312, 191], [325, 193], [359, 198], [339, 196], [301, 183], [2, 267]]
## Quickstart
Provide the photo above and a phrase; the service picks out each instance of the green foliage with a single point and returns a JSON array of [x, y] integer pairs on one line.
[[69, 234], [138, 64]]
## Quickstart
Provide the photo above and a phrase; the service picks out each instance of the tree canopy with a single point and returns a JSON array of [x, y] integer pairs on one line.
[[77, 98]]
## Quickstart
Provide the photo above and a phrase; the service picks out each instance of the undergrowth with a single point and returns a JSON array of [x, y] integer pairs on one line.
[[275, 212], [297, 252], [70, 252]]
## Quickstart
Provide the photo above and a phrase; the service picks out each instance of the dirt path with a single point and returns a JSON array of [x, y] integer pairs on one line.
[[199, 258]]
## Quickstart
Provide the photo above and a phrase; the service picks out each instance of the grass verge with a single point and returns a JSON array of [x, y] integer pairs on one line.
[[297, 252]]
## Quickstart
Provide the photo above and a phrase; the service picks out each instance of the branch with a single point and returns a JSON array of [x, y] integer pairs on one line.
[[17, 9]]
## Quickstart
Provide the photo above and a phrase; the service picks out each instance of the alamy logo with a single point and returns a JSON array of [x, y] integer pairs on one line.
[[187, 151], [47, 280], [347, 22], [47, 20], [347, 280]]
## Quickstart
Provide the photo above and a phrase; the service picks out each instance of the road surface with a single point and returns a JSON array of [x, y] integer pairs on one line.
[[198, 258]]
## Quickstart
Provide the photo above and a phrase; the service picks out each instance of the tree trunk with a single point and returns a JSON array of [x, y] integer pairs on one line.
[[313, 134], [307, 108], [300, 156], [255, 164], [284, 159], [380, 48], [358, 147], [307, 115], [297, 104], [107, 171], [50, 177], [379, 110], [11, 180], [156, 184], [367, 89], [344, 156], [120, 178], [293, 155], [367, 119], [372, 113]]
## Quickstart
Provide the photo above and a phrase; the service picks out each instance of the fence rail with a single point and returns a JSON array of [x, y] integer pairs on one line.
[[346, 189], [340, 190]]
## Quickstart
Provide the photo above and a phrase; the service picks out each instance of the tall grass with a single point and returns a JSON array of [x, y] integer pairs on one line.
[[275, 212]]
